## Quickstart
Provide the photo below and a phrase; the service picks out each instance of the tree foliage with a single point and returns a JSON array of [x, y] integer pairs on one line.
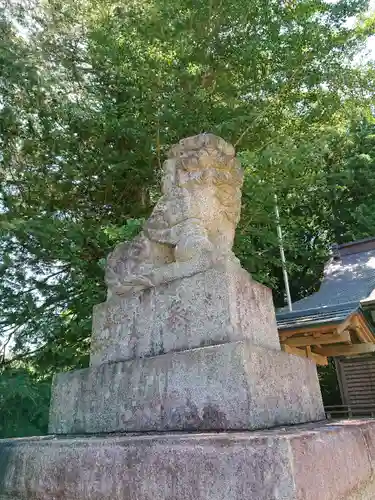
[[23, 402], [92, 94]]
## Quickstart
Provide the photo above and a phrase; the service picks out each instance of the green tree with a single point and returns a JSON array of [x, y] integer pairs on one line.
[[24, 401]]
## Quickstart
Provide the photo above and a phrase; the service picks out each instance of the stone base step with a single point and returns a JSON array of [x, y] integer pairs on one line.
[[325, 461], [228, 386]]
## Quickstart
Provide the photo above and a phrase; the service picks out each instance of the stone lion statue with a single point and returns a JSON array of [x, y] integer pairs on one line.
[[192, 226]]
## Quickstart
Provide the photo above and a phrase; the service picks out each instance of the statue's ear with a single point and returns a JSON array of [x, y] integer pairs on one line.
[[169, 175]]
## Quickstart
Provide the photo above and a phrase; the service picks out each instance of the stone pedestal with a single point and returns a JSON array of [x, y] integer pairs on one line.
[[218, 306], [332, 461], [149, 371], [228, 386], [237, 382]]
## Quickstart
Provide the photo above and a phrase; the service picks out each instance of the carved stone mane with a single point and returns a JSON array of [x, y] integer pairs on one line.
[[192, 226]]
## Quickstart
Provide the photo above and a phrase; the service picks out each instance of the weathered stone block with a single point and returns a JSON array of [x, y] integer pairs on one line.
[[311, 462], [229, 386], [219, 305]]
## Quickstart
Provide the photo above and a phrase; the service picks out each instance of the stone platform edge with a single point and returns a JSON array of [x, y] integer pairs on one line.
[[223, 387], [325, 461]]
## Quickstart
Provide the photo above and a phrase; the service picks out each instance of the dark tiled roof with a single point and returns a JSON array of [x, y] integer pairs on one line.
[[349, 278], [315, 317]]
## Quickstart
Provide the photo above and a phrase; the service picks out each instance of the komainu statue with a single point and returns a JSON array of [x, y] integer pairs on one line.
[[192, 226]]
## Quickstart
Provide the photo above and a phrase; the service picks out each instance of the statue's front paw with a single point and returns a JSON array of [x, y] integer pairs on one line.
[[131, 284], [219, 256], [226, 260], [137, 280], [144, 280]]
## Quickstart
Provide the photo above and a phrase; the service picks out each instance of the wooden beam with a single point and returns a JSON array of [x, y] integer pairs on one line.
[[358, 330], [308, 330], [293, 350], [345, 350], [364, 329], [328, 338], [343, 326], [317, 358], [334, 328], [364, 334]]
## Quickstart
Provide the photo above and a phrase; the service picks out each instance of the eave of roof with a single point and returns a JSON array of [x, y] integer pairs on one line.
[[316, 316], [359, 246]]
